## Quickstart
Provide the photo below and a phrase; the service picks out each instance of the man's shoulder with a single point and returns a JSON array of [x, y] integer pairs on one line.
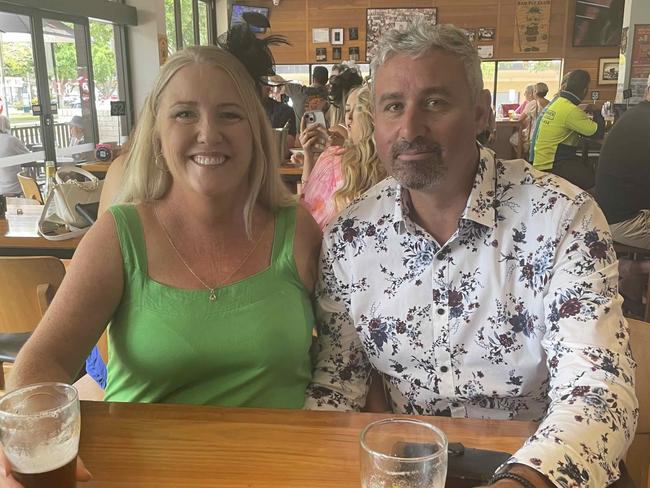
[[371, 206], [528, 184]]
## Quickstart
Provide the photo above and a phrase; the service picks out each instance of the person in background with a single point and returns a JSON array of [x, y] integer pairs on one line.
[[488, 135], [623, 192], [77, 136], [556, 137], [529, 95], [206, 234], [529, 117], [477, 287], [280, 115], [341, 174], [318, 137], [9, 146], [347, 80], [298, 93], [623, 176]]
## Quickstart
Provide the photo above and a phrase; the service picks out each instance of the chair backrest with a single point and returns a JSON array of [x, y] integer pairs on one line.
[[638, 456], [27, 285], [30, 187]]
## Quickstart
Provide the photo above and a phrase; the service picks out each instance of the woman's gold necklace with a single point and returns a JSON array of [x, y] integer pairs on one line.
[[211, 290]]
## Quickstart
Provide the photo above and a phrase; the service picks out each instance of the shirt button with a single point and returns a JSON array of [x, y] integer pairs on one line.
[[441, 311], [444, 369]]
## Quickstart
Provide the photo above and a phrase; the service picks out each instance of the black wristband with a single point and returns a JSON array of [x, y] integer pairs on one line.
[[508, 475]]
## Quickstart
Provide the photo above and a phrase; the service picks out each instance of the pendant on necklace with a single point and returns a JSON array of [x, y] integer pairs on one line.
[[213, 295]]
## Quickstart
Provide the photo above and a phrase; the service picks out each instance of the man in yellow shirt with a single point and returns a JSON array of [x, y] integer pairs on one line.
[[554, 142]]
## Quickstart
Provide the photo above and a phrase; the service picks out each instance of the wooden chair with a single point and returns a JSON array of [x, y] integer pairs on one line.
[[636, 254], [30, 187], [27, 286], [638, 456]]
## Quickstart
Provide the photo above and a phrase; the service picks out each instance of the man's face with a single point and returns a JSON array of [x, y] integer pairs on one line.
[[425, 121]]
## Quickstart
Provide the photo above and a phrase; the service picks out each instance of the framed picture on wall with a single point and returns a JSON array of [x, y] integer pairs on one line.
[[608, 71], [353, 33], [379, 20], [337, 36], [471, 34], [486, 33], [336, 53], [353, 52], [598, 22], [321, 54], [320, 34]]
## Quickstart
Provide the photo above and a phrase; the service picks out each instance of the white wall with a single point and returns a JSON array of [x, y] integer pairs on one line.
[[143, 47]]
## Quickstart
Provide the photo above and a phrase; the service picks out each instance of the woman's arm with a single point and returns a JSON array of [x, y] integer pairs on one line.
[[83, 305], [313, 140], [306, 247]]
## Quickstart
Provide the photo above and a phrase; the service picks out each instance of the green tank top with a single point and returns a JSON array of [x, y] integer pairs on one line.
[[249, 348]]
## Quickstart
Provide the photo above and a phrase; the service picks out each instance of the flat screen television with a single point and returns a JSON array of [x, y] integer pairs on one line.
[[239, 10], [598, 22]]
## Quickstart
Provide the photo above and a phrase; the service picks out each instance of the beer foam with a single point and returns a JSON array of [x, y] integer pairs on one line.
[[44, 457]]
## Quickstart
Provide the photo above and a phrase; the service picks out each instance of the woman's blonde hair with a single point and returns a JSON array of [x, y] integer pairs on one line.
[[145, 176], [360, 164]]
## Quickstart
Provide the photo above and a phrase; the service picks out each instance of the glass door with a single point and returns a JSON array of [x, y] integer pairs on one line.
[[47, 95], [21, 128], [70, 89]]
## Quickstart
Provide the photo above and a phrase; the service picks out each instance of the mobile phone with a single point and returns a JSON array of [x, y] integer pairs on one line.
[[313, 117], [88, 211]]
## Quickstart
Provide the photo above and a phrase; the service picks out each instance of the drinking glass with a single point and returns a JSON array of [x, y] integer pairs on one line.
[[403, 453], [39, 431]]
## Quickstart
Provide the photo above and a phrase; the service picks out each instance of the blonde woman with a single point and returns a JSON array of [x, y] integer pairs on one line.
[[205, 270], [342, 173]]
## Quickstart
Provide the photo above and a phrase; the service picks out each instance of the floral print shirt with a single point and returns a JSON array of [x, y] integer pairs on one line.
[[517, 316]]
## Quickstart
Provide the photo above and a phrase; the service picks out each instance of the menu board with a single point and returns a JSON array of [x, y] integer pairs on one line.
[[532, 26]]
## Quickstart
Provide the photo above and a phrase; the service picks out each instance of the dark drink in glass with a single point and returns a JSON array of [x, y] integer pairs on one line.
[[39, 430], [63, 477]]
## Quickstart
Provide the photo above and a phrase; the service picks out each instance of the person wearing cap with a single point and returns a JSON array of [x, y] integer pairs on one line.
[[76, 131], [623, 176]]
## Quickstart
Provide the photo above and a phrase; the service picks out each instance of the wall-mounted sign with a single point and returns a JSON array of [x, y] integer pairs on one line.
[[118, 108], [532, 21]]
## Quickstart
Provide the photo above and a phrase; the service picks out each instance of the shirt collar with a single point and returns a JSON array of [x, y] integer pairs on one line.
[[480, 204], [570, 97]]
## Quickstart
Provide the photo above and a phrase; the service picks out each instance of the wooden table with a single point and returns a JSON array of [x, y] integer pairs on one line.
[[34, 246], [165, 446]]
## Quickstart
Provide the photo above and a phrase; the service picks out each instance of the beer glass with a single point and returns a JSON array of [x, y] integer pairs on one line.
[[403, 453], [39, 431]]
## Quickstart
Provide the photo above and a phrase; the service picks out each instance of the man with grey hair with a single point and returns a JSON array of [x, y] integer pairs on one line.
[[474, 287]]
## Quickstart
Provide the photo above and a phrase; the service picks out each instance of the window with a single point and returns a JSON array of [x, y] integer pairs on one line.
[[512, 77], [189, 22], [488, 68], [170, 26], [102, 47], [203, 23]]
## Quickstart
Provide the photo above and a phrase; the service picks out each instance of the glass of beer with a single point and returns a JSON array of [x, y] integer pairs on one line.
[[403, 453], [39, 431]]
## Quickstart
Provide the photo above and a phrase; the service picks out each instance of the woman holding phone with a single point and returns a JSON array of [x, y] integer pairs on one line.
[[341, 173]]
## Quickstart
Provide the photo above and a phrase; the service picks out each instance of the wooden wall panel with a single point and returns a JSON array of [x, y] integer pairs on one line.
[[296, 18]]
